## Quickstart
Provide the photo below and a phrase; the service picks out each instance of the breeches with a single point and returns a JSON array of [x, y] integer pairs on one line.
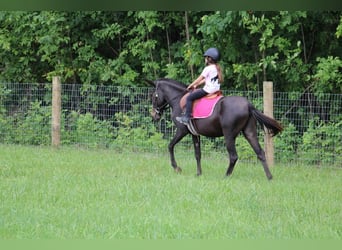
[[196, 94]]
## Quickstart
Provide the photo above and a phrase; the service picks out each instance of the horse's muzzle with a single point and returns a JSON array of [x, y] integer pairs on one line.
[[155, 115]]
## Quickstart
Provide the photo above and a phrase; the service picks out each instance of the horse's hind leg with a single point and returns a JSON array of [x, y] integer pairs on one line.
[[233, 157], [250, 134], [197, 146]]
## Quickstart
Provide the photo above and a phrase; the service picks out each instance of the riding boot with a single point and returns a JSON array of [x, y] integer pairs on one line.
[[183, 119], [196, 94]]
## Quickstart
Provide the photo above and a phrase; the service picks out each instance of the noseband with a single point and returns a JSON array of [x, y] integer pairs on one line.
[[159, 110]]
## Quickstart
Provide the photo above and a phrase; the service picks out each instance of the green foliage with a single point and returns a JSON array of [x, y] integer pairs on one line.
[[321, 144], [328, 75], [286, 144], [88, 130], [118, 117], [34, 128], [122, 48], [6, 130], [339, 29], [278, 51], [140, 137], [299, 51], [245, 74]]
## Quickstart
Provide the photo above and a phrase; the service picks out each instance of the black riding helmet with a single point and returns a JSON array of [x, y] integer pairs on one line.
[[213, 53]]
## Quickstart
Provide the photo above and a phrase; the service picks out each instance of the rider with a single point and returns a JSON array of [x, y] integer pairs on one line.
[[212, 77]]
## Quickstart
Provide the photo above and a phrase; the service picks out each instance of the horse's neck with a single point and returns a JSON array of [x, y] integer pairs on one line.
[[173, 93], [174, 97]]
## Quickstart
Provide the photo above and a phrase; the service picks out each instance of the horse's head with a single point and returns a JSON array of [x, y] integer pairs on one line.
[[159, 104], [167, 93]]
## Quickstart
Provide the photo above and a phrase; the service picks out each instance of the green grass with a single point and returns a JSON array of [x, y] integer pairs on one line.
[[75, 193]]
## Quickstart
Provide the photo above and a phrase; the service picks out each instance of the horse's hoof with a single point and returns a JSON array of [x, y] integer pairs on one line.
[[178, 170]]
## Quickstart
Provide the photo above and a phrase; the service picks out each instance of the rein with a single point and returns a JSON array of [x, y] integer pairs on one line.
[[159, 110]]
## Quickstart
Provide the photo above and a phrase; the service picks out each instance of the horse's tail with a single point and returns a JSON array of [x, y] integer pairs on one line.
[[273, 126]]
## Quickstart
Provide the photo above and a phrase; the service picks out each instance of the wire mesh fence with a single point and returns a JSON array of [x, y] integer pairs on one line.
[[118, 118]]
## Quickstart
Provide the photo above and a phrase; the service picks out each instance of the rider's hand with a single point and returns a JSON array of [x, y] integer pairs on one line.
[[191, 87]]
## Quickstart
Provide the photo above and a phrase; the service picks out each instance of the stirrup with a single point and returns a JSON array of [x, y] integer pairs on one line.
[[183, 119]]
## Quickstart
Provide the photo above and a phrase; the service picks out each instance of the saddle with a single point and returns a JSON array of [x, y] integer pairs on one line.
[[203, 107]]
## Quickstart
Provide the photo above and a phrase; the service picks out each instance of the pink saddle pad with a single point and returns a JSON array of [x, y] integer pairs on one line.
[[204, 107]]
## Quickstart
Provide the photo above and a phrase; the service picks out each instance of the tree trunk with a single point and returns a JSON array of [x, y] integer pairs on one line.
[[188, 39]]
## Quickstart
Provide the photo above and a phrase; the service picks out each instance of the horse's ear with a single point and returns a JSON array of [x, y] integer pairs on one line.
[[152, 83]]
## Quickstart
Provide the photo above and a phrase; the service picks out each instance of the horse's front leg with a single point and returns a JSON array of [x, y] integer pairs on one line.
[[197, 147], [178, 136]]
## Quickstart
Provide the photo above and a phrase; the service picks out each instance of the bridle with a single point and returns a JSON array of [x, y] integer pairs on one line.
[[164, 106], [159, 110]]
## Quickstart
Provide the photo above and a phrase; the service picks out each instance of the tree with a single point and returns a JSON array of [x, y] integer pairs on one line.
[[292, 49]]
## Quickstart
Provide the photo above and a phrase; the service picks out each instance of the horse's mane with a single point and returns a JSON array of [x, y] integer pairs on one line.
[[175, 84]]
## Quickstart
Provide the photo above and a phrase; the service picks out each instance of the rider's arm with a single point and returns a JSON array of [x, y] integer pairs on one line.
[[200, 80]]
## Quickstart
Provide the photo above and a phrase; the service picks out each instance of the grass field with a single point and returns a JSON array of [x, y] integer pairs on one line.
[[99, 194]]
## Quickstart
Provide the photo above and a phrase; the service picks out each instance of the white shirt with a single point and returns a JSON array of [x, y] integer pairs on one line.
[[211, 79]]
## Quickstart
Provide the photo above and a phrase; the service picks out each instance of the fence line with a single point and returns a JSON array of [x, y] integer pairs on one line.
[[118, 117]]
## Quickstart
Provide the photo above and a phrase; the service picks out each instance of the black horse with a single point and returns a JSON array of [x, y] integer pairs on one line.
[[232, 115]]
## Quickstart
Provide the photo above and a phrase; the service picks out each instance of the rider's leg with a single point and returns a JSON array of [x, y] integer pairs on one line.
[[196, 94]]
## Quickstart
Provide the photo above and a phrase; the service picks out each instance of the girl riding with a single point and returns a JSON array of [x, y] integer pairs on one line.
[[211, 76]]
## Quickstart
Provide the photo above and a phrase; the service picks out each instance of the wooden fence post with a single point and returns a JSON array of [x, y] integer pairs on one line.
[[268, 110], [56, 112]]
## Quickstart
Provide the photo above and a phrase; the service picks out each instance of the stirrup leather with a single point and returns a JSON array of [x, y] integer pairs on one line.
[[192, 128]]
